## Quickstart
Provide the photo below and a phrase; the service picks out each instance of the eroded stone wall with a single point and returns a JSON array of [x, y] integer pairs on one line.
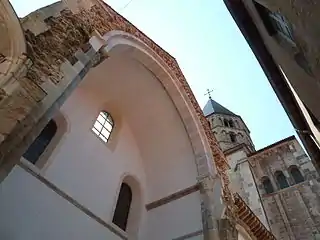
[[303, 16], [293, 212]]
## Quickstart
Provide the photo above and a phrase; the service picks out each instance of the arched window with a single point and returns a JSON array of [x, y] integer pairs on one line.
[[296, 174], [237, 124], [225, 122], [121, 213], [267, 185], [103, 126], [41, 142], [231, 124], [282, 180], [233, 137]]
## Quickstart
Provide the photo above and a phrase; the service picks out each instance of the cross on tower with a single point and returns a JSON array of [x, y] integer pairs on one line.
[[209, 93]]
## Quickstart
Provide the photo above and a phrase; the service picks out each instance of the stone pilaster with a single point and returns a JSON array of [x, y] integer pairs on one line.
[[227, 230], [212, 206]]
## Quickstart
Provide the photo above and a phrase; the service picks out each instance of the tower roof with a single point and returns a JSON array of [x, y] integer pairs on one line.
[[214, 107]]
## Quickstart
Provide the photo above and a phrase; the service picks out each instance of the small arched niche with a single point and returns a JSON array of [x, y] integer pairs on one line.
[[127, 212]]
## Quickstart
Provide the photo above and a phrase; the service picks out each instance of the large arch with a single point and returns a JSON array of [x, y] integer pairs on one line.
[[119, 42], [152, 142]]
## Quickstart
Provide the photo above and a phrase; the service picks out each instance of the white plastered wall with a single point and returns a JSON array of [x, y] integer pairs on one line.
[[149, 142]]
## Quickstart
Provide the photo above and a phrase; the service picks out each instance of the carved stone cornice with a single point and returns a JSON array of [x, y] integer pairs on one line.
[[269, 152]]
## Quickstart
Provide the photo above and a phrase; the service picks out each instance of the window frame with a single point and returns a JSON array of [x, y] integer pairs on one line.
[[119, 212], [296, 181], [277, 175], [39, 141], [267, 186], [104, 119]]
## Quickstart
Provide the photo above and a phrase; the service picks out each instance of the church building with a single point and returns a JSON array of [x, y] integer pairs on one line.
[[279, 182]]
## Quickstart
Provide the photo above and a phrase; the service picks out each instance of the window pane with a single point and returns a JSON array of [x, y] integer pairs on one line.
[[103, 126], [101, 119], [105, 133], [282, 181], [297, 176], [95, 131], [108, 126], [104, 114], [98, 126], [103, 138], [110, 121], [267, 186]]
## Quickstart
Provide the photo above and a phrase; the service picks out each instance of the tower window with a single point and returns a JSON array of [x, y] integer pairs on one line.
[[231, 124], [281, 180], [233, 137], [121, 213], [296, 174], [225, 123], [267, 185], [103, 126], [41, 142]]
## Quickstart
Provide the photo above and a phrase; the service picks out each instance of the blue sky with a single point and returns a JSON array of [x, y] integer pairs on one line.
[[211, 52]]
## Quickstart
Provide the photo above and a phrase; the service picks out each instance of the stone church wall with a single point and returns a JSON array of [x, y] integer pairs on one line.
[[222, 132], [293, 212], [242, 182]]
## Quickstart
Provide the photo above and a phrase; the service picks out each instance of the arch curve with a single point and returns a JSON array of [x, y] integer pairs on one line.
[[13, 45], [120, 42]]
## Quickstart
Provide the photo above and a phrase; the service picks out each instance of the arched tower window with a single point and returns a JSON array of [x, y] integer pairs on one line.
[[103, 126], [231, 124], [225, 123], [281, 180], [237, 124], [39, 145], [267, 185], [121, 213], [296, 174], [233, 137]]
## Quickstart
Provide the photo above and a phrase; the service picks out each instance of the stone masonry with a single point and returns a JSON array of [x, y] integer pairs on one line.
[[294, 211]]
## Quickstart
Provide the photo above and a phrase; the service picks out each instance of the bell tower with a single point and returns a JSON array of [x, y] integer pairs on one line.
[[228, 128]]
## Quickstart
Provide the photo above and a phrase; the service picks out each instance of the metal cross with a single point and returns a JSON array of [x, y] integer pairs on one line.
[[209, 93]]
